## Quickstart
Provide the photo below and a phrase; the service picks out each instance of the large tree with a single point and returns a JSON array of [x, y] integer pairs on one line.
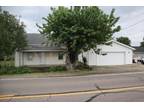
[[124, 40], [12, 34], [79, 29]]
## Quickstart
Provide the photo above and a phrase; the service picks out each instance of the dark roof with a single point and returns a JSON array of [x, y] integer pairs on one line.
[[36, 48], [35, 38], [138, 49], [37, 42]]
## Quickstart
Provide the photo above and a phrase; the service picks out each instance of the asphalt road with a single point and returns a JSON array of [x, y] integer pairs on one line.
[[29, 86]]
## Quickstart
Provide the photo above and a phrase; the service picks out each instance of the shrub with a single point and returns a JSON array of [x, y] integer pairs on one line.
[[14, 70], [56, 68], [82, 66]]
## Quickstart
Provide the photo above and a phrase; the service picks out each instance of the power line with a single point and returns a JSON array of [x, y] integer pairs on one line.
[[132, 25], [142, 13]]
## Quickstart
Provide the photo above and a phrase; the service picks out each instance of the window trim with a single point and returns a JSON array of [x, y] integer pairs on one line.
[[60, 56]]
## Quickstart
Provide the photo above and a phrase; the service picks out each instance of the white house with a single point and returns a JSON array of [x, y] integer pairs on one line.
[[37, 54]]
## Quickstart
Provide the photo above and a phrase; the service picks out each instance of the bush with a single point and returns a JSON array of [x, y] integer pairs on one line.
[[56, 68], [82, 66], [14, 70]]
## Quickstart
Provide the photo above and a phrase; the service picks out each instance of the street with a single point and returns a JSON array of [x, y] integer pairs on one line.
[[36, 86]]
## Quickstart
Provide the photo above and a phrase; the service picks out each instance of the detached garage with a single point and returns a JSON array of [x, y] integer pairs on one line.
[[114, 54]]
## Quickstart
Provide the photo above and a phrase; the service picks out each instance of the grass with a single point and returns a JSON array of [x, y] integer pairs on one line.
[[8, 68], [12, 71], [99, 70]]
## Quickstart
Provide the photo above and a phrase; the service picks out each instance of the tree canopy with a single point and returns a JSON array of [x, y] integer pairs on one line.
[[12, 34], [79, 28], [124, 40]]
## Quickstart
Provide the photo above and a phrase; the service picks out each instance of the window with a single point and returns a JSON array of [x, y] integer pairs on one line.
[[30, 56], [60, 56]]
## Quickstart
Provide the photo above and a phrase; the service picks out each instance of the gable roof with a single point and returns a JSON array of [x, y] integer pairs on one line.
[[37, 42], [121, 44], [35, 39], [138, 49]]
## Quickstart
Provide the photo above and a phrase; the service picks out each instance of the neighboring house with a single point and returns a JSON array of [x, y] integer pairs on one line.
[[138, 53], [38, 54]]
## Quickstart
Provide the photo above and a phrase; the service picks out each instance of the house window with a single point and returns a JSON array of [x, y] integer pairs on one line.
[[60, 56], [30, 56]]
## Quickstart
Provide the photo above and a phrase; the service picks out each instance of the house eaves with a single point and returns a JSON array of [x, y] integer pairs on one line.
[[122, 44]]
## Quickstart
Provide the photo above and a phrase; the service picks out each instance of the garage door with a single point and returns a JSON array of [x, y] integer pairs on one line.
[[112, 58]]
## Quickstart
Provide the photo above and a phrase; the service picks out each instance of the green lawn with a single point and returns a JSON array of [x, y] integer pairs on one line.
[[8, 69]]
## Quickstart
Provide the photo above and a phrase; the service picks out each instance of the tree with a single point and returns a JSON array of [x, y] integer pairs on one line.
[[79, 29], [12, 34], [124, 40], [142, 43]]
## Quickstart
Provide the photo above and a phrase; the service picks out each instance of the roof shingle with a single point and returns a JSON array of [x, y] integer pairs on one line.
[[138, 49]]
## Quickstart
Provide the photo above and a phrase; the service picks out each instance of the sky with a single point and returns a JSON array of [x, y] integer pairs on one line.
[[131, 19]]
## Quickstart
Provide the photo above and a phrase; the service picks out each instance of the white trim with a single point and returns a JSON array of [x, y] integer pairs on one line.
[[121, 44], [41, 50]]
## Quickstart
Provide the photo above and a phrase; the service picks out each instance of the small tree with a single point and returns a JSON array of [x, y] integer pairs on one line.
[[12, 34], [124, 40], [79, 29]]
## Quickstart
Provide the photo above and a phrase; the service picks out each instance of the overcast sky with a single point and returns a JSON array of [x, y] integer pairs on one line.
[[131, 19]]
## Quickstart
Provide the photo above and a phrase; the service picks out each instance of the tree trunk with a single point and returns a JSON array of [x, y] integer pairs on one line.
[[71, 60], [68, 63]]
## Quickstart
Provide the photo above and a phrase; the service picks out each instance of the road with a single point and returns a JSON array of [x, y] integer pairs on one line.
[[37, 86]]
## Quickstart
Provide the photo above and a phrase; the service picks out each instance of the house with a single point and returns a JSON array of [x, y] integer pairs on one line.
[[38, 54], [138, 53]]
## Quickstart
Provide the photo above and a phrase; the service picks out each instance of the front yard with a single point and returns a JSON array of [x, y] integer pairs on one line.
[[95, 70]]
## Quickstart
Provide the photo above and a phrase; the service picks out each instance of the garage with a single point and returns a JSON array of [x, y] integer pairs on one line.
[[114, 54], [112, 58]]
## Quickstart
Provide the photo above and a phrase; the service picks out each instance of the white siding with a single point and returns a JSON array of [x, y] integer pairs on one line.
[[38, 58], [112, 58], [52, 59], [31, 58], [85, 54], [45, 58], [18, 59], [116, 55], [17, 64]]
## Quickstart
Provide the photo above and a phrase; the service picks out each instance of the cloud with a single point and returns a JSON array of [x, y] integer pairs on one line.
[[129, 18], [129, 15], [29, 15], [30, 25]]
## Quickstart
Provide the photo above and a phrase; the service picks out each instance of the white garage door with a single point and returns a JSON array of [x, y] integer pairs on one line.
[[112, 58]]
